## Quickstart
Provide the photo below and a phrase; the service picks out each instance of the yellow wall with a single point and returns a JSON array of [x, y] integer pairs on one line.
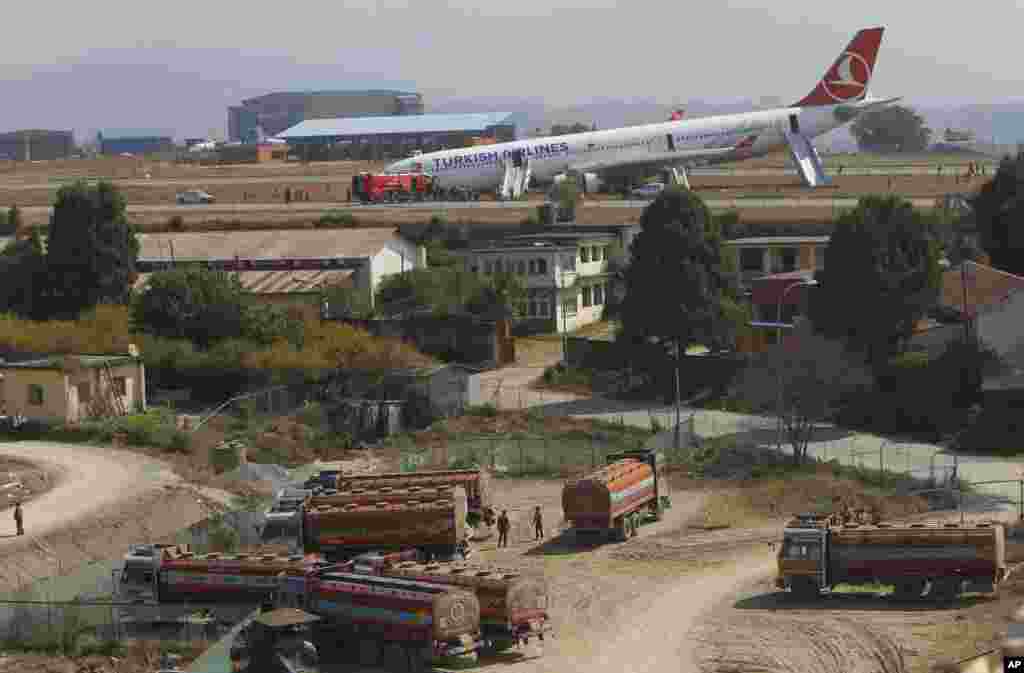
[[61, 402], [16, 401]]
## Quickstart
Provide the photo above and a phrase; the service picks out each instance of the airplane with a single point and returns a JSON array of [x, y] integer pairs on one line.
[[673, 146]]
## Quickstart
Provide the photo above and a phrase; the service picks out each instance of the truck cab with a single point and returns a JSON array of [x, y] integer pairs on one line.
[[802, 556]]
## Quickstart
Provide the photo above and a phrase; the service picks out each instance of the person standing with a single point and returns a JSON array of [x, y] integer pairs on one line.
[[18, 518], [503, 526], [538, 524]]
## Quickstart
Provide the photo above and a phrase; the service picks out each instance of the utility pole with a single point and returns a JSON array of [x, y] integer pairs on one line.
[[676, 433]]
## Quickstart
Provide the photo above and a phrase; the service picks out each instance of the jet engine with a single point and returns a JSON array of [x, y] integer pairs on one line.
[[591, 183]]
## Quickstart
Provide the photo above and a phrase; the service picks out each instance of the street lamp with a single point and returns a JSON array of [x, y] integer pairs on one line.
[[778, 338]]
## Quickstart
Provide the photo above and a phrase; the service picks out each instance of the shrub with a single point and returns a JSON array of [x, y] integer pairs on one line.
[[486, 409], [337, 218]]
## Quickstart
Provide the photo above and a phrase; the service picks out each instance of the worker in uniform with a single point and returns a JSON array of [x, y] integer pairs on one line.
[[538, 524], [503, 526], [18, 518]]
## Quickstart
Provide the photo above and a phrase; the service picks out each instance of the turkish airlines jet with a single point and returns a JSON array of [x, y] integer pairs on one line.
[[673, 146]]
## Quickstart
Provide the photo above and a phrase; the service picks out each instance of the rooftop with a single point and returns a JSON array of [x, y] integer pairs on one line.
[[293, 244], [778, 240], [986, 287], [333, 92], [57, 362], [279, 282], [405, 124]]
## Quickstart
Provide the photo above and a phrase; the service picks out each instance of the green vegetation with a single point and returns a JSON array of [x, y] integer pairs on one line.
[[560, 375], [337, 218], [893, 128], [999, 211], [154, 428]]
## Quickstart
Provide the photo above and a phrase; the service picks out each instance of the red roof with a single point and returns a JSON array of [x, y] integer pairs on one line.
[[986, 287]]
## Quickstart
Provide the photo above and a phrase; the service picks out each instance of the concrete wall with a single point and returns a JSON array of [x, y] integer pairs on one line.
[[66, 396], [16, 384]]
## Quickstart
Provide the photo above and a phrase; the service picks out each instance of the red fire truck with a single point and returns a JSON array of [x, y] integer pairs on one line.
[[370, 188]]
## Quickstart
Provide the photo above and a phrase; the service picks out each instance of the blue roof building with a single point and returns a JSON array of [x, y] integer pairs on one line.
[[134, 141]]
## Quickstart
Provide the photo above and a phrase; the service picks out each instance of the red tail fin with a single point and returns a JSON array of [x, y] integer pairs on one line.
[[848, 78]]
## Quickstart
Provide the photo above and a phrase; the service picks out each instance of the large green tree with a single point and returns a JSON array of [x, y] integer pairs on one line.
[[91, 249], [205, 307], [893, 128], [677, 288], [442, 290], [999, 212], [23, 278], [882, 276], [500, 296]]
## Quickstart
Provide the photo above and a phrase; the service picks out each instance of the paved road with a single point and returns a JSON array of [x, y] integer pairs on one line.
[[320, 207]]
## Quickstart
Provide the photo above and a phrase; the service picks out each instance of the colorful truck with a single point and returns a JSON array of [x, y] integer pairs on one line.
[[435, 527], [407, 621], [616, 498], [159, 573], [920, 560], [513, 607], [476, 482]]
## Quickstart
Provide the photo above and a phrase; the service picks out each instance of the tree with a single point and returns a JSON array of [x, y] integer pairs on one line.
[[444, 290], [197, 304], [23, 278], [883, 275], [499, 297], [345, 300], [999, 210], [803, 382], [894, 128], [675, 283], [91, 249]]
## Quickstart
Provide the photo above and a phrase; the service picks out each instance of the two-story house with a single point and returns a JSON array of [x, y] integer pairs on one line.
[[567, 275], [760, 256]]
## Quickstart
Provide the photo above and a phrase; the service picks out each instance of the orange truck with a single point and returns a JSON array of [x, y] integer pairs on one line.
[[619, 497]]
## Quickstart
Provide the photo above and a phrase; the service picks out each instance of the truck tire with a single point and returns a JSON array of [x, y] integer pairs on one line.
[[619, 532], [909, 590], [803, 589], [944, 589]]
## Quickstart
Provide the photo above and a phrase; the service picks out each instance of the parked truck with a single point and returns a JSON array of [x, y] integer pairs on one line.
[[920, 560], [476, 482], [159, 573], [338, 531], [407, 623], [513, 607], [617, 498]]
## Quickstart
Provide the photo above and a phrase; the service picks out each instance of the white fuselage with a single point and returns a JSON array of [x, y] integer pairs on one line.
[[688, 142]]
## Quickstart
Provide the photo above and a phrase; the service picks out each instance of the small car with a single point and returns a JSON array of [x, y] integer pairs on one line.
[[193, 196]]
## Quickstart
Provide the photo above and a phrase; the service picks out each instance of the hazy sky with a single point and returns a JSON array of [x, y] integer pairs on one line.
[[121, 63]]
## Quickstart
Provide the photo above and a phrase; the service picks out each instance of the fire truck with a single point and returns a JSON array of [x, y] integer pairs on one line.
[[370, 188]]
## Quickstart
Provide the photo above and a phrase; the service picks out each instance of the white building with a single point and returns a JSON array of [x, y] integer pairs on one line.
[[567, 275], [287, 267]]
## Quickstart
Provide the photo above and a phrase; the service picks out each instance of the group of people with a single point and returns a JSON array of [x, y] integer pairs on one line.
[[505, 524]]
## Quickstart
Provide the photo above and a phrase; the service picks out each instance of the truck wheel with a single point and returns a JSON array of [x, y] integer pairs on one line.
[[619, 532], [944, 590], [804, 588], [909, 590]]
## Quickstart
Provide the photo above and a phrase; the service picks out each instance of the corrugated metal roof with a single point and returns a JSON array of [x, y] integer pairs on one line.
[[269, 244], [425, 123], [279, 282]]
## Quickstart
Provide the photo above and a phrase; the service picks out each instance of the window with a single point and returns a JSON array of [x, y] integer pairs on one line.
[[120, 386], [800, 549], [595, 254], [787, 259], [522, 267], [570, 263], [533, 309], [587, 294], [584, 254], [533, 266], [542, 266], [543, 308], [751, 259], [604, 252], [598, 295], [35, 394], [569, 307], [84, 392]]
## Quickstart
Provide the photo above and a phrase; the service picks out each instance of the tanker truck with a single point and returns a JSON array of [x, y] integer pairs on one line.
[[617, 498], [476, 482], [920, 560], [513, 607], [434, 526], [409, 622]]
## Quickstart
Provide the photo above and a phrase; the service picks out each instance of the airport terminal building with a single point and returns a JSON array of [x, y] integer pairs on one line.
[[395, 136], [275, 112]]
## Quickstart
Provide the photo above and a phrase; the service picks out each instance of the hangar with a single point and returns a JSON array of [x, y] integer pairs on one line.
[[395, 136]]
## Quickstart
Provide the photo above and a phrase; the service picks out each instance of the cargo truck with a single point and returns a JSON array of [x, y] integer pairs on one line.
[[616, 499], [476, 482], [435, 527], [405, 621], [935, 561], [513, 607]]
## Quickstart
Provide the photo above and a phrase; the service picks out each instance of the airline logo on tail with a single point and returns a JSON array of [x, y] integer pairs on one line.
[[848, 78]]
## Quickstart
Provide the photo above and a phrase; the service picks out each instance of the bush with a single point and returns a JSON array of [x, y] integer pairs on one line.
[[337, 218], [486, 409], [560, 375]]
